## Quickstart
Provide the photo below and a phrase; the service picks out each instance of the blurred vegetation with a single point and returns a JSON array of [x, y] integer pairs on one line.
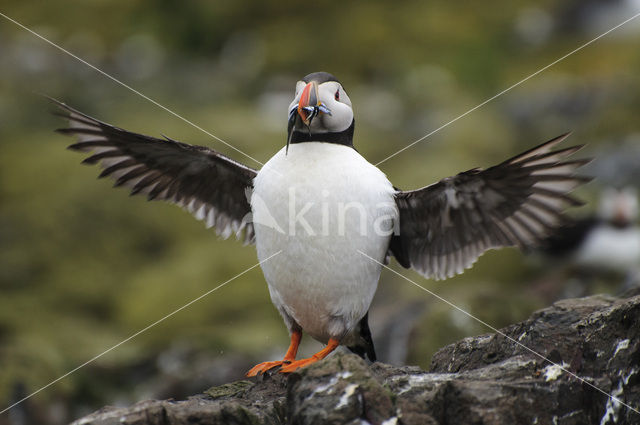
[[83, 267]]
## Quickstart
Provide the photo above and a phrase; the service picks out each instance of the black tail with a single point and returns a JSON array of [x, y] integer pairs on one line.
[[364, 347]]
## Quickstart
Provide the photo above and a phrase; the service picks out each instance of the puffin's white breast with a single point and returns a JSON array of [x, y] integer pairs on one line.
[[319, 205], [611, 248]]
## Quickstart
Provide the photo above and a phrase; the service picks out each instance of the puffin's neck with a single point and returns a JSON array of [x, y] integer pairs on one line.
[[338, 137]]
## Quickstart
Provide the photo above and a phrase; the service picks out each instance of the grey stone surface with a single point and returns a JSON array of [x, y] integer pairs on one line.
[[487, 379]]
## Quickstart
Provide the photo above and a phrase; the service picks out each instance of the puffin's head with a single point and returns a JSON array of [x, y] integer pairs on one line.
[[619, 207], [320, 112]]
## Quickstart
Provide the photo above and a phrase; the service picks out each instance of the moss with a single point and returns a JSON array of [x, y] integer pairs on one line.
[[229, 390]]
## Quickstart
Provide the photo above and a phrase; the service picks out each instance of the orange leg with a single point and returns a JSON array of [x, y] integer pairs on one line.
[[291, 367], [296, 336]]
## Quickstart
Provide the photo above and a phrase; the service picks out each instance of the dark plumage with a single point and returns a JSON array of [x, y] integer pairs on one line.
[[364, 346], [568, 238], [446, 226], [206, 183]]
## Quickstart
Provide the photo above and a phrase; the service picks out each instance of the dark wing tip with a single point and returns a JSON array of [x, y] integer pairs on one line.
[[54, 101], [560, 138], [544, 149], [62, 109], [73, 115]]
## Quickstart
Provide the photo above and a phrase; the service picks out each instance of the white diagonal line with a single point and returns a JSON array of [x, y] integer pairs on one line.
[[129, 87], [137, 333], [584, 381], [509, 88]]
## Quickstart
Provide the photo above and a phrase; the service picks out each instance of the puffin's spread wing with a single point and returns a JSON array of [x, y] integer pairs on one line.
[[211, 186], [446, 226]]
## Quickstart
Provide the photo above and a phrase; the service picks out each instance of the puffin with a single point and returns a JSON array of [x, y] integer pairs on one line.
[[607, 241], [325, 221]]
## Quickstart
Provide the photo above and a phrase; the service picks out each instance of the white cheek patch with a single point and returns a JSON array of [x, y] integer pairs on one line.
[[340, 118]]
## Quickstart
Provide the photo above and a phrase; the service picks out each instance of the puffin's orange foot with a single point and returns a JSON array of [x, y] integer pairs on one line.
[[293, 366], [296, 335], [265, 366]]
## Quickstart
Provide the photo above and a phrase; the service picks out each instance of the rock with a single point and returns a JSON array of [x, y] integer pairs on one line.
[[591, 346]]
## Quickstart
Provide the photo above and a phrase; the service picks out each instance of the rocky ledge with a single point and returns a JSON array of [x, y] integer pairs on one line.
[[592, 345]]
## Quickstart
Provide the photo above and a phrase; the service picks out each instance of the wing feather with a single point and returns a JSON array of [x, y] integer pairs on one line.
[[446, 226], [206, 183]]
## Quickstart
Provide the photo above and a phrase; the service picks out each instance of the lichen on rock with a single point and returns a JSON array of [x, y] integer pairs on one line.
[[588, 344]]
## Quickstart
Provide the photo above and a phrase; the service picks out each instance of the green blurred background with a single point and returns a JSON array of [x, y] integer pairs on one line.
[[83, 266]]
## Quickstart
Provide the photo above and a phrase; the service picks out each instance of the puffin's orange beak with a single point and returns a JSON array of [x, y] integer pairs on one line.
[[308, 102], [621, 214]]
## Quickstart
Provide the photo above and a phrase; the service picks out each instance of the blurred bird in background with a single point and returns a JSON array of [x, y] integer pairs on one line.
[[604, 244]]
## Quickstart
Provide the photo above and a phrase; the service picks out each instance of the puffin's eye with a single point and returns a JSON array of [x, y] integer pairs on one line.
[[337, 95]]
